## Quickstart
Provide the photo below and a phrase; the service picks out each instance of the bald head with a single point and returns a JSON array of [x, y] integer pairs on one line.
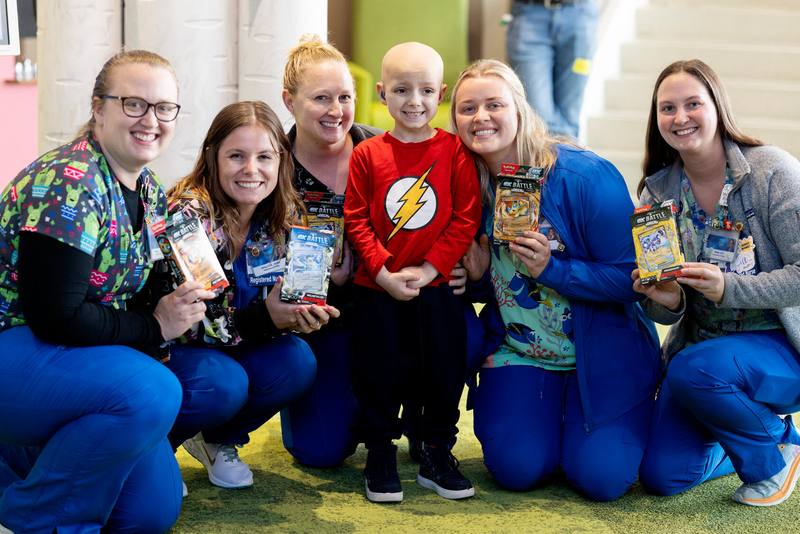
[[412, 57]]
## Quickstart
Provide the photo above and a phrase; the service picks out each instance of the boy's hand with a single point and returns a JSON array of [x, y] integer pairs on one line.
[[397, 284], [424, 274]]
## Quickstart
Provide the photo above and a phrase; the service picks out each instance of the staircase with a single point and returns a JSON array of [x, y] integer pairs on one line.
[[753, 45]]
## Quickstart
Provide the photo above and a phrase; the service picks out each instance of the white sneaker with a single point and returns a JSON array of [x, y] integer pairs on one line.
[[225, 468], [4, 530], [185, 490], [776, 488]]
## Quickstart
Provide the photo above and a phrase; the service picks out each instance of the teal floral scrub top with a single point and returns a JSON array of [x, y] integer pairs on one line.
[[709, 320], [537, 319], [71, 195]]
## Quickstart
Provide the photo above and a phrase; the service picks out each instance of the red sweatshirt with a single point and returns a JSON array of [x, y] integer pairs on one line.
[[408, 203]]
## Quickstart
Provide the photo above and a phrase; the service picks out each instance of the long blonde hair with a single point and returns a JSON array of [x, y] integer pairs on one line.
[[280, 209], [103, 79], [535, 146]]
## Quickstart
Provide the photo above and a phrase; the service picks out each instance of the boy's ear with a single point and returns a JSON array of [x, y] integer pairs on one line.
[[287, 101], [442, 92], [381, 92]]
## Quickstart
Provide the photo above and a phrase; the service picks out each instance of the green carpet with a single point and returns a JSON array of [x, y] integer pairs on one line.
[[287, 497]]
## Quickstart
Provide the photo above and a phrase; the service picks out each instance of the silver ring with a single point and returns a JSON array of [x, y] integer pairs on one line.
[[533, 257]]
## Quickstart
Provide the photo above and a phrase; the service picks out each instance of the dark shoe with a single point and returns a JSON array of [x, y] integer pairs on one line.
[[415, 449], [439, 472], [380, 476]]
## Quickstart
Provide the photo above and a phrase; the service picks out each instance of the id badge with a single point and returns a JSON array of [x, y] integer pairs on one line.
[[262, 268], [152, 231], [745, 262], [547, 230], [720, 246]]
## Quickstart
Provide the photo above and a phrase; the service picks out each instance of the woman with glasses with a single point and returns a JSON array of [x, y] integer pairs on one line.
[[241, 365], [84, 410]]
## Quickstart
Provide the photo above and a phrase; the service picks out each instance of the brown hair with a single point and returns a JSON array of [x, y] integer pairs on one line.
[[103, 79], [535, 146], [310, 50], [658, 154], [280, 209]]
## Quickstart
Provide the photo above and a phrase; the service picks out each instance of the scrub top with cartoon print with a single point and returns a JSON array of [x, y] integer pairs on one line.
[[71, 195]]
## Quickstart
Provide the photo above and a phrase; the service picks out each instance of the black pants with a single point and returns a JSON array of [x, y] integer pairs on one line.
[[409, 352]]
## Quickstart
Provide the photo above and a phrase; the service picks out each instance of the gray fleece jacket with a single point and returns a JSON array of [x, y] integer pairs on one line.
[[766, 196]]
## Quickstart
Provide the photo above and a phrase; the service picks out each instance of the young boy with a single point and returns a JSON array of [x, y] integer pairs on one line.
[[411, 210]]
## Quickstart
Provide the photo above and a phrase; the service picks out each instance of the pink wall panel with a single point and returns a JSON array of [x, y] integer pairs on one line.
[[18, 123]]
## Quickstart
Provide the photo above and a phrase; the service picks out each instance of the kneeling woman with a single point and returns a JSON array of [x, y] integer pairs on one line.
[[240, 366], [733, 348], [573, 381]]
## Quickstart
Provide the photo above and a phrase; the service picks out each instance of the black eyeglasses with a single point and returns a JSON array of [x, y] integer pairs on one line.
[[136, 107]]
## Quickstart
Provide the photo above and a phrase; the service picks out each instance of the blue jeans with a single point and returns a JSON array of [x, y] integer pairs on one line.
[[529, 422], [83, 438], [551, 50], [227, 395], [717, 412]]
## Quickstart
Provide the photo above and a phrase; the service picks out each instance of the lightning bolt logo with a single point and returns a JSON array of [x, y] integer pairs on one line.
[[411, 201]]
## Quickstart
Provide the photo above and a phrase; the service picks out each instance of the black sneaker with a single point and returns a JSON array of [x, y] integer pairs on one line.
[[380, 475], [439, 472], [415, 450]]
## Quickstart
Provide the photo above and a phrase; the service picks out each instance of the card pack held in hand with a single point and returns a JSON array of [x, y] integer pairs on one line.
[[308, 265], [187, 247], [657, 244], [517, 200], [325, 211]]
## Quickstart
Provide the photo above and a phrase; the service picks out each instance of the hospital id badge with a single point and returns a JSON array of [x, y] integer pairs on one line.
[[720, 246], [262, 267], [152, 231]]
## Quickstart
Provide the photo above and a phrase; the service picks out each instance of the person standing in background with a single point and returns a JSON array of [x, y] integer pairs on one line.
[[550, 45]]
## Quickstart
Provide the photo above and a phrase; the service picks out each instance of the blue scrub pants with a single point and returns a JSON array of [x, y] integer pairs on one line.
[[718, 411], [319, 428], [530, 421], [83, 438], [227, 395]]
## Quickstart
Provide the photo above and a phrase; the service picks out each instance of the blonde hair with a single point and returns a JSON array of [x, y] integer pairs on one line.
[[535, 146], [280, 209], [103, 79], [310, 50]]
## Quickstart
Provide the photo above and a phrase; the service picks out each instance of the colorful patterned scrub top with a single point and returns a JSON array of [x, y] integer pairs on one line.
[[537, 319], [218, 328], [709, 320], [71, 195]]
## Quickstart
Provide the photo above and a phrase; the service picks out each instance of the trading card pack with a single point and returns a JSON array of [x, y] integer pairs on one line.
[[188, 248], [309, 258], [325, 211], [517, 199], [657, 244]]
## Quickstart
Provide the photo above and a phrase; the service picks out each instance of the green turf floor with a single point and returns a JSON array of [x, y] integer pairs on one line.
[[287, 497]]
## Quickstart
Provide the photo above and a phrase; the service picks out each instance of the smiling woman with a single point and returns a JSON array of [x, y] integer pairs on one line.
[[554, 393], [241, 190], [84, 411], [735, 310]]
